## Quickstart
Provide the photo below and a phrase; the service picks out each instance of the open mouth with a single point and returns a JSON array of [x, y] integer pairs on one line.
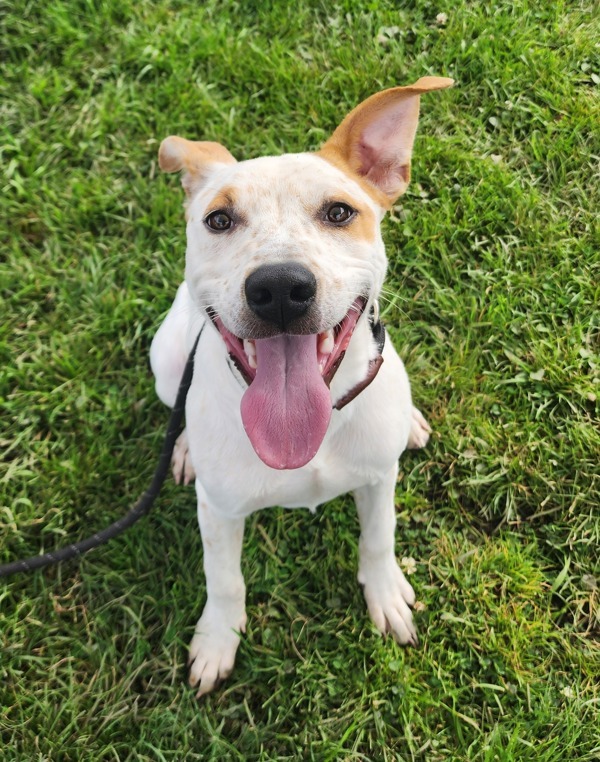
[[287, 406], [330, 345]]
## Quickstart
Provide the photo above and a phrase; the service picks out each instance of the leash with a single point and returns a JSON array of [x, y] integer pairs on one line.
[[174, 427], [143, 505]]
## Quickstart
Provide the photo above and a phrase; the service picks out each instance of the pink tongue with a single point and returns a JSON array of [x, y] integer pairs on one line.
[[286, 409]]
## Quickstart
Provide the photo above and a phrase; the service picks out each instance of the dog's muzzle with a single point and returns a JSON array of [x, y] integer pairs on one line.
[[287, 406]]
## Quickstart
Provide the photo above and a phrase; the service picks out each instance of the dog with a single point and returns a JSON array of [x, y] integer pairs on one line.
[[296, 396]]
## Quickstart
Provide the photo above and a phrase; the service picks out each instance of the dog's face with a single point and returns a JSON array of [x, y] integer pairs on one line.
[[285, 256], [293, 220]]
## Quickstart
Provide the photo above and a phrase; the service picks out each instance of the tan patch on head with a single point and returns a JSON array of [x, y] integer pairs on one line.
[[226, 198], [366, 225], [363, 226], [333, 157]]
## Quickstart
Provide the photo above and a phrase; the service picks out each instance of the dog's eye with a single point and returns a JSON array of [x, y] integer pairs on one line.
[[218, 221], [339, 213]]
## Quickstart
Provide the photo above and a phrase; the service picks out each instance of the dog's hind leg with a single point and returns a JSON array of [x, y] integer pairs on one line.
[[388, 594], [169, 348], [168, 355], [419, 430]]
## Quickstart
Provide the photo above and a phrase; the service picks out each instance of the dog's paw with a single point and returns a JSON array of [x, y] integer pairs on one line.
[[212, 651], [419, 430], [181, 463], [389, 598]]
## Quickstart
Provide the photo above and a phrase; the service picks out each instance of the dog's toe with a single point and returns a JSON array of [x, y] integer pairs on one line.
[[389, 597], [181, 463], [212, 652], [213, 663], [419, 430]]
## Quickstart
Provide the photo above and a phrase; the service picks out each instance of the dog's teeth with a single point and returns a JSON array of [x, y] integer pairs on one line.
[[326, 342], [250, 350]]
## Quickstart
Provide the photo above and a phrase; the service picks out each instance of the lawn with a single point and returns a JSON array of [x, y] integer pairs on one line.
[[492, 299]]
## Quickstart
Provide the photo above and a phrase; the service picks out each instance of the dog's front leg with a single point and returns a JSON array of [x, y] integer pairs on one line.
[[389, 596], [217, 634]]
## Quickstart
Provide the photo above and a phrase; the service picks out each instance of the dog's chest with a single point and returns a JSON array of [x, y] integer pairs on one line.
[[315, 484], [238, 483], [363, 442]]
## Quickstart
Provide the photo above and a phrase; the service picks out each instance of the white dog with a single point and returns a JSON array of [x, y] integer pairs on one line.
[[294, 398]]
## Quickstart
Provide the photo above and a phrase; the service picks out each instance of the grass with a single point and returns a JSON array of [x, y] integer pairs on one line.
[[492, 299]]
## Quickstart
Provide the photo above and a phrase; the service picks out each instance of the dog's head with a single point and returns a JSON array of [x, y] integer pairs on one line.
[[285, 256]]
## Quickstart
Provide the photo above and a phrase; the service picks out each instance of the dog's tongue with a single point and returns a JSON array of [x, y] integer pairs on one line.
[[287, 407]]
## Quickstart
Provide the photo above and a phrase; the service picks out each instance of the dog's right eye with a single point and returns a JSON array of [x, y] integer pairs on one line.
[[218, 221]]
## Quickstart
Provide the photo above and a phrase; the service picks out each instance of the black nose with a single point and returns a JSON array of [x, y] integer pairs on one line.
[[280, 293]]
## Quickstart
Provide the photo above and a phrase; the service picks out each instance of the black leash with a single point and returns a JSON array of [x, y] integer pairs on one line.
[[144, 503]]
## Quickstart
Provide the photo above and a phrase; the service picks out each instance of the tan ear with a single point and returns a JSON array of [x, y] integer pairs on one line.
[[194, 157], [375, 140]]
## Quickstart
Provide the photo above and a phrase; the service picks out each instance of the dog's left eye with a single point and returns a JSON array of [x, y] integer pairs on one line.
[[218, 221], [339, 213]]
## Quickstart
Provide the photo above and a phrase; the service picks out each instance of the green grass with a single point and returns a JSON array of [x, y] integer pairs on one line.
[[493, 296]]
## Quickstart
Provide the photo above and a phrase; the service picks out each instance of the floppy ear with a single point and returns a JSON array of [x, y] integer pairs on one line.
[[195, 158], [375, 140]]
